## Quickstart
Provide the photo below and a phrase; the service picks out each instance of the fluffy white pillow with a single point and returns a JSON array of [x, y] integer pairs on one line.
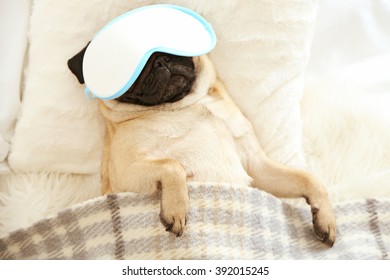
[[261, 55]]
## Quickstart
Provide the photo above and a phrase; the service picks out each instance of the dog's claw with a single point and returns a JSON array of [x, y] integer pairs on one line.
[[169, 227], [172, 224]]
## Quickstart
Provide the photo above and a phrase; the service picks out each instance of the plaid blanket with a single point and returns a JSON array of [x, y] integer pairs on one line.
[[225, 222]]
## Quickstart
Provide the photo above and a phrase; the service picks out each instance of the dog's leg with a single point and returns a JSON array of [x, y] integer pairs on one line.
[[269, 176], [285, 182], [149, 176]]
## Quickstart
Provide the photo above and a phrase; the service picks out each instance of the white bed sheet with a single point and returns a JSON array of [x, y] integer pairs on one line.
[[352, 45], [14, 19]]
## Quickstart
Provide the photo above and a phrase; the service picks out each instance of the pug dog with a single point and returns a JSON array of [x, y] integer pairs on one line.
[[177, 124]]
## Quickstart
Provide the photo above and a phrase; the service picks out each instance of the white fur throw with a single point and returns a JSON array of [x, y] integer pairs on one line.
[[261, 55]]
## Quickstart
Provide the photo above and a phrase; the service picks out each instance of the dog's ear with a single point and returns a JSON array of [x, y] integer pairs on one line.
[[75, 64]]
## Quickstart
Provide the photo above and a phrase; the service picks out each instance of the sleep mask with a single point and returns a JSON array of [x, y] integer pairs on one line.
[[119, 51]]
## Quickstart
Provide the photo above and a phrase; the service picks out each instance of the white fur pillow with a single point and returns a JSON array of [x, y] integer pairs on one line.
[[261, 55]]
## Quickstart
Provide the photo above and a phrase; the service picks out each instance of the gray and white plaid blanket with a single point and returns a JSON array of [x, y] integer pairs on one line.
[[225, 222]]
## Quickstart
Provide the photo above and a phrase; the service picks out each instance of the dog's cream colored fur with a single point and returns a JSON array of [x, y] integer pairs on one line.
[[203, 137]]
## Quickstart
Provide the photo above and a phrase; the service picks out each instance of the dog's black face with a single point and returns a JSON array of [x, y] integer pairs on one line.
[[165, 78]]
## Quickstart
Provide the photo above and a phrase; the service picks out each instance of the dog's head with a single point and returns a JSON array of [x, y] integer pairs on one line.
[[165, 78]]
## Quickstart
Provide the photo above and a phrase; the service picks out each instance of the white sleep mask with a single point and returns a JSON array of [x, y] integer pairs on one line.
[[119, 51]]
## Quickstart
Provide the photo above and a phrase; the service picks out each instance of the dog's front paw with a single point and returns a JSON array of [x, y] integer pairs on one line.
[[174, 211], [324, 224]]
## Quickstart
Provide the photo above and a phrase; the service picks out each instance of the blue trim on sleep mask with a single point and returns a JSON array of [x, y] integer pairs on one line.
[[146, 56]]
